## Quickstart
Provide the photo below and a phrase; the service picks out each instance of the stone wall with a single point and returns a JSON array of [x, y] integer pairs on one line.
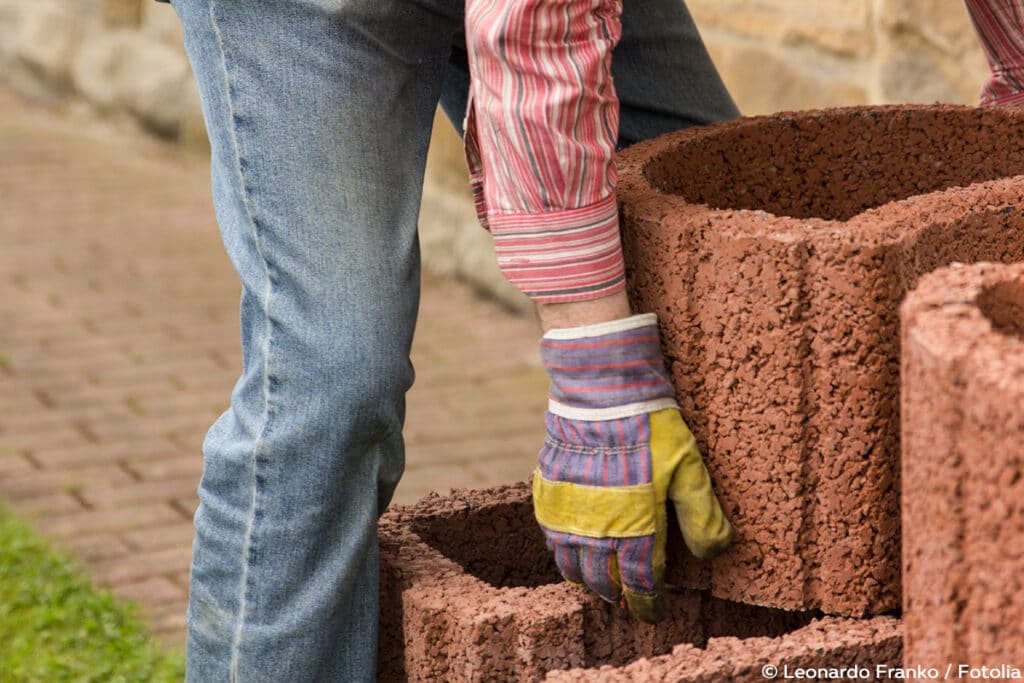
[[123, 59], [793, 54]]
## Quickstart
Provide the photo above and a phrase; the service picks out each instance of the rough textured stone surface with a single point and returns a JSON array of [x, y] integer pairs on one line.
[[775, 251], [122, 12], [469, 593], [855, 650], [914, 74], [834, 26], [763, 78], [927, 52], [963, 493], [44, 41], [160, 23], [122, 69], [794, 54]]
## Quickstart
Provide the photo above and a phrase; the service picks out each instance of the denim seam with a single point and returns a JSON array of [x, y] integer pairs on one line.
[[249, 545]]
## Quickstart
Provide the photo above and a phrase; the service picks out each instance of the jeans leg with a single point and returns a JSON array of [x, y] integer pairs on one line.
[[455, 91], [663, 74], [319, 113]]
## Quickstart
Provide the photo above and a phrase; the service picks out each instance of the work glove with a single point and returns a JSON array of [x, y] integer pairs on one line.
[[616, 450]]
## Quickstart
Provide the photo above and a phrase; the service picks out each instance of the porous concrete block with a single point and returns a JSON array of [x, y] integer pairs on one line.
[[830, 648], [775, 251], [469, 593], [962, 461]]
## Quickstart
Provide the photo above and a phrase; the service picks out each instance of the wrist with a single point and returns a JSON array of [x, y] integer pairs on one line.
[[580, 313]]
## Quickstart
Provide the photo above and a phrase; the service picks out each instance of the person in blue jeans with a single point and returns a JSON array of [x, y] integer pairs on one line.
[[319, 115]]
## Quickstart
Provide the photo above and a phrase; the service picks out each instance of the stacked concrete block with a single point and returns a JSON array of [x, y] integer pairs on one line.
[[831, 648], [775, 251], [963, 460], [469, 593]]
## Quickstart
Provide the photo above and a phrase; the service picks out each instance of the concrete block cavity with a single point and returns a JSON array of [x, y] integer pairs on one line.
[[469, 593]]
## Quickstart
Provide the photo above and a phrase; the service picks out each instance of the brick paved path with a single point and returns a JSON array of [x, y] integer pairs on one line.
[[118, 348]]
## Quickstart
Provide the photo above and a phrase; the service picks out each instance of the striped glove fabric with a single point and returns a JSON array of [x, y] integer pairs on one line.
[[616, 450]]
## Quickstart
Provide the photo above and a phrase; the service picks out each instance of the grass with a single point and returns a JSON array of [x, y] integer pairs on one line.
[[55, 626]]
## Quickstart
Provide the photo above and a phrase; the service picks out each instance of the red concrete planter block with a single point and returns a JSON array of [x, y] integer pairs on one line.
[[963, 457], [857, 650], [775, 251], [469, 593]]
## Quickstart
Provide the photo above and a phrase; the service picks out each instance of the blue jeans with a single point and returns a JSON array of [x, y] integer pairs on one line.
[[319, 114]]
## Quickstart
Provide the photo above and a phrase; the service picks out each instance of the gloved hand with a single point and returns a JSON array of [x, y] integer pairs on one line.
[[616, 449]]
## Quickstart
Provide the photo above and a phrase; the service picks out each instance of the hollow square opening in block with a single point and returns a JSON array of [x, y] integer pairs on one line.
[[498, 543], [839, 163], [502, 545], [612, 637]]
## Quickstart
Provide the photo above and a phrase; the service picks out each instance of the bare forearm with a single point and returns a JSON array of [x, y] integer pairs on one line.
[[578, 313]]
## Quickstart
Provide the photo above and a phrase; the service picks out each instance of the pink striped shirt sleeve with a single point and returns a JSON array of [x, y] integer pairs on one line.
[[1000, 27], [541, 128]]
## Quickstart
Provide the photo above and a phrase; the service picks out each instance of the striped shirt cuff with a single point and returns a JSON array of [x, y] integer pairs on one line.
[[561, 256], [1001, 97]]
